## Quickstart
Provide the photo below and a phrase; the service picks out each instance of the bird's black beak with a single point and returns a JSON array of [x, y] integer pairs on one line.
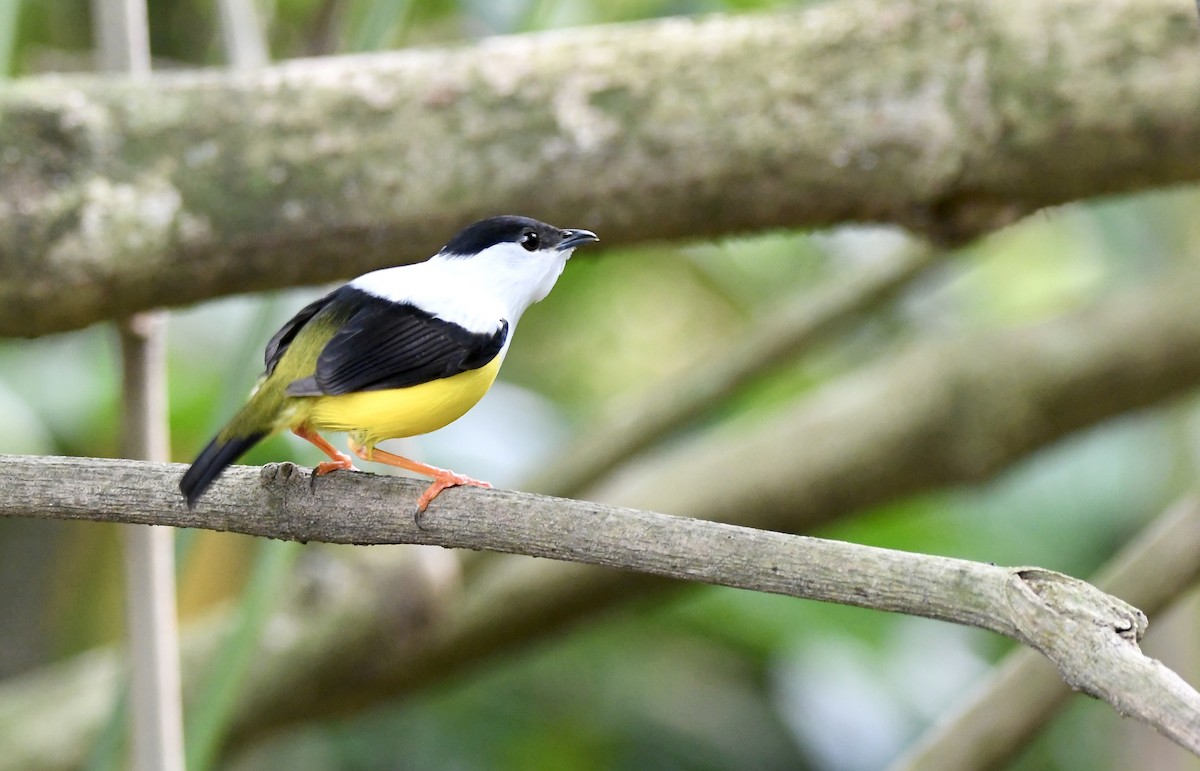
[[573, 238]]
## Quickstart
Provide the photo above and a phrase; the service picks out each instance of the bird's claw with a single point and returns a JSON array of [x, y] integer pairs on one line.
[[440, 483], [342, 464]]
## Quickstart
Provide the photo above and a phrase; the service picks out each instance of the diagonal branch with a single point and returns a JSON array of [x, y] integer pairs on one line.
[[1015, 702], [1092, 637], [664, 408], [127, 196], [941, 413]]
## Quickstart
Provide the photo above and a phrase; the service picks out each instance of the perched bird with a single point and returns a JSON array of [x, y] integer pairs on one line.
[[397, 352]]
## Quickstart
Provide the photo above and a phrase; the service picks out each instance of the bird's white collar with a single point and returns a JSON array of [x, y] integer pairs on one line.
[[477, 292]]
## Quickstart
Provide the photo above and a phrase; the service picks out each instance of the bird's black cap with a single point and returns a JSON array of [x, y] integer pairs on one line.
[[510, 228]]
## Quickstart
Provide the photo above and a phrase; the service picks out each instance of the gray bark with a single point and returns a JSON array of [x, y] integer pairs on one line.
[[1091, 637], [117, 196], [999, 718], [941, 414]]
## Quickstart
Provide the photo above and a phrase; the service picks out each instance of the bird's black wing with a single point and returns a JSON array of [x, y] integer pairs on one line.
[[278, 345], [389, 345]]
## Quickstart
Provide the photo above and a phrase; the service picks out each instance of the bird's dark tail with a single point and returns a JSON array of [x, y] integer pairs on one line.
[[211, 461]]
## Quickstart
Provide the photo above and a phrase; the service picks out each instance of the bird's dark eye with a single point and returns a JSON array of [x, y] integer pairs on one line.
[[530, 241]]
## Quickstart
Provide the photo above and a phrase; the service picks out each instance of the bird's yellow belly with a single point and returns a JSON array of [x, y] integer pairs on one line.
[[378, 415]]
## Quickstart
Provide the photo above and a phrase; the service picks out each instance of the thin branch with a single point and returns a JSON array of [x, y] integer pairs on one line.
[[122, 33], [1018, 699], [1091, 637], [631, 428], [242, 35], [126, 196], [152, 628]]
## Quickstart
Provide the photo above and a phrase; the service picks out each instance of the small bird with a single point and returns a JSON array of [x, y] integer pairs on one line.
[[397, 352]]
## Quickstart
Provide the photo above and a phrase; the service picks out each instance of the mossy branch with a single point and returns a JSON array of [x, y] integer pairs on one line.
[[123, 195]]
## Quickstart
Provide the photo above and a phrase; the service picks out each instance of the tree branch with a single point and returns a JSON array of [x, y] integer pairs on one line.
[[1091, 637], [1001, 715], [666, 407], [122, 35], [940, 414], [125, 196]]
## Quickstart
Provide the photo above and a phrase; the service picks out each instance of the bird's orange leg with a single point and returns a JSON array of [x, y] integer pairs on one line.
[[442, 478], [340, 459]]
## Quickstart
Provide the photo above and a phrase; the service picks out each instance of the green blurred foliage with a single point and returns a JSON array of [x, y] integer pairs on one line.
[[713, 678], [56, 34]]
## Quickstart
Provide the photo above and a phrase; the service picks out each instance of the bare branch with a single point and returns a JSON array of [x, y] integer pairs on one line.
[[125, 196], [1134, 684], [242, 34], [1017, 700], [1092, 637], [940, 414], [151, 620]]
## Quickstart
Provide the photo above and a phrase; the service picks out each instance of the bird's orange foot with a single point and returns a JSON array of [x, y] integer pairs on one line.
[[323, 468], [441, 482], [343, 463]]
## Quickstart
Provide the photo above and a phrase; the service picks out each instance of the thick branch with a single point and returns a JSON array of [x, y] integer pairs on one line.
[[124, 196], [1092, 637]]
